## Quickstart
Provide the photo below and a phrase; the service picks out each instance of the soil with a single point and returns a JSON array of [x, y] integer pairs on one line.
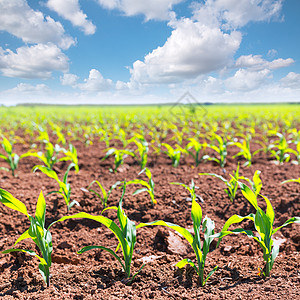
[[97, 275]]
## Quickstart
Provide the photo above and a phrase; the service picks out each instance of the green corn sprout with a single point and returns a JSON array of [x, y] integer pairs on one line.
[[37, 232], [49, 158], [297, 153], [126, 235], [11, 158], [221, 150], [282, 154], [120, 155], [142, 149], [71, 154], [244, 150], [263, 223], [197, 147], [64, 186], [231, 184], [105, 195], [200, 251], [104, 136], [58, 131], [174, 153], [148, 186], [256, 183]]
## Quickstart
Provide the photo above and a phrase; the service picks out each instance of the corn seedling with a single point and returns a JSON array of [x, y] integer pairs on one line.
[[200, 251], [263, 222], [126, 235], [282, 154], [58, 131], [37, 232], [174, 153], [244, 150], [256, 183], [105, 195], [231, 184], [120, 155], [11, 158], [148, 186], [221, 149], [197, 147], [49, 158], [71, 154], [64, 186], [142, 150]]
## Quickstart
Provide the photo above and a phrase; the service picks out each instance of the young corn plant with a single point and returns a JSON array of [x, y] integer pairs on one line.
[[11, 158], [256, 183], [282, 154], [221, 149], [49, 158], [142, 150], [120, 155], [232, 184], [105, 195], [197, 147], [148, 186], [64, 186], [245, 150], [263, 222], [200, 249], [37, 232], [126, 235], [174, 153], [71, 154]]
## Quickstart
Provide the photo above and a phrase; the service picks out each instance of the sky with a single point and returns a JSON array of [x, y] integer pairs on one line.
[[149, 51]]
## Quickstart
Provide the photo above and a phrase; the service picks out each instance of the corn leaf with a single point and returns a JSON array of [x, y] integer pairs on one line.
[[40, 210], [8, 200]]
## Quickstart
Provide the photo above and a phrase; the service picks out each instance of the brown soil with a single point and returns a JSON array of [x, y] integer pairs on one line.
[[97, 275]]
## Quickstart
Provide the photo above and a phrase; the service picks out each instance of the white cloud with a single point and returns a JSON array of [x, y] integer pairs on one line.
[[236, 13], [38, 61], [69, 79], [245, 80], [95, 82], [29, 89], [191, 50], [152, 9], [291, 80], [256, 62], [70, 10], [31, 26]]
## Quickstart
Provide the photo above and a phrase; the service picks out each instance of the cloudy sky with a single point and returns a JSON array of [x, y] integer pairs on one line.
[[149, 51]]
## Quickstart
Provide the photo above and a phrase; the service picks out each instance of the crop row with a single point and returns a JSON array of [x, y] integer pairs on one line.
[[126, 231], [281, 148]]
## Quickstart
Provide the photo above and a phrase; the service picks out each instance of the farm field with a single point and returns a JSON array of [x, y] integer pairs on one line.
[[112, 145]]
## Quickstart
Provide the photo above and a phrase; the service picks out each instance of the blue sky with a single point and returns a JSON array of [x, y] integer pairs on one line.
[[134, 51]]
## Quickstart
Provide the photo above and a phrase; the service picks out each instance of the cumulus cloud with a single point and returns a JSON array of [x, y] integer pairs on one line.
[[70, 10], [256, 62], [95, 82], [69, 79], [151, 9], [291, 80], [247, 80], [236, 13], [191, 50], [29, 89], [31, 26], [38, 61]]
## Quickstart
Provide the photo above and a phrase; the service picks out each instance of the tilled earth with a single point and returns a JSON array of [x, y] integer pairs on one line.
[[97, 275]]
